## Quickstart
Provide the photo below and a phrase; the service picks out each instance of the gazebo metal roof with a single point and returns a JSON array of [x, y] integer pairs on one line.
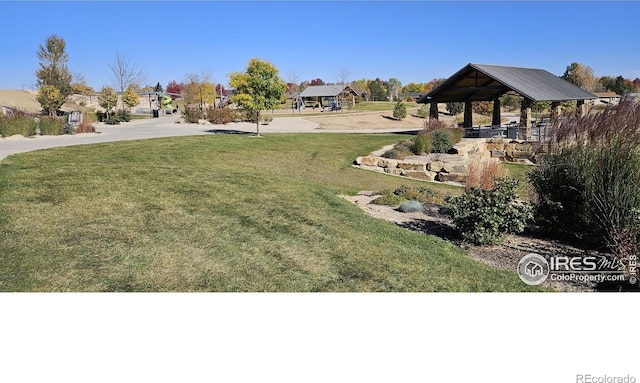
[[325, 90], [478, 82]]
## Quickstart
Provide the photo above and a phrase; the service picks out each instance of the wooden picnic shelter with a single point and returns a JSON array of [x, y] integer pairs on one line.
[[331, 92], [479, 82]]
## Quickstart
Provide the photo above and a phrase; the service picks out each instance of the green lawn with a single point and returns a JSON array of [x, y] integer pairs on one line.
[[519, 172], [216, 213], [382, 105]]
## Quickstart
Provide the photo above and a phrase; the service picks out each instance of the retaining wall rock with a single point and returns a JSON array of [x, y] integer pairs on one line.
[[454, 167]]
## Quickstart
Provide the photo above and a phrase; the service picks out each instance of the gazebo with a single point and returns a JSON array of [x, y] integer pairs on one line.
[[331, 92], [478, 82]]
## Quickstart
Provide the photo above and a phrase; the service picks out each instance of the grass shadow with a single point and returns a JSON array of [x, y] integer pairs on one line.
[[439, 229]]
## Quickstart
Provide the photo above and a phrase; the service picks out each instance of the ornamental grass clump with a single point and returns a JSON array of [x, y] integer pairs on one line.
[[588, 185], [51, 126], [17, 122], [483, 172]]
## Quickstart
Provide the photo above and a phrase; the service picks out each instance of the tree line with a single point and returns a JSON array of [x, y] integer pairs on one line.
[[56, 83]]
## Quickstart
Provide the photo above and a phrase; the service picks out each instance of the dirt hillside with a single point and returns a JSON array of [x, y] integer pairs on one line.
[[20, 99]]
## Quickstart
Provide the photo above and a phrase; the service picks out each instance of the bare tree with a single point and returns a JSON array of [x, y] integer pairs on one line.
[[343, 76], [293, 77], [126, 73], [199, 89]]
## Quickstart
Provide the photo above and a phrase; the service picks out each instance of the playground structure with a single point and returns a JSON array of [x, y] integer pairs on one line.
[[160, 101]]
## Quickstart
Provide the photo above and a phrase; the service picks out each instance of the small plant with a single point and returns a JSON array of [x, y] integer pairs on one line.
[[266, 120], [123, 115], [51, 126], [118, 117], [399, 111], [484, 216], [401, 150], [388, 198], [441, 141], [422, 143]]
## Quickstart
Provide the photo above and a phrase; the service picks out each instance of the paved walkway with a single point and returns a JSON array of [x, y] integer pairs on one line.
[[163, 127]]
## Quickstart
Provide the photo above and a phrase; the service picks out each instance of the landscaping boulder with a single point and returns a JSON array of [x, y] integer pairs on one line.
[[411, 207]]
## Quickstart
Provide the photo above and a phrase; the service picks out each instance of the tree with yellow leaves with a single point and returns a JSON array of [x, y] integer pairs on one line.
[[258, 88]]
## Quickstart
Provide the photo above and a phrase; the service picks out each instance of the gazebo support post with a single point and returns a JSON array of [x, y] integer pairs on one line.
[[495, 121], [433, 110], [525, 119], [555, 110], [468, 113], [581, 108]]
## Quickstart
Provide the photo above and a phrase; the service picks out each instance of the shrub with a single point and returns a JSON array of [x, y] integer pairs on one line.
[[192, 114], [422, 143], [400, 150], [483, 172], [484, 108], [510, 103], [455, 107], [17, 122], [484, 216], [220, 115], [399, 111], [85, 127], [51, 126], [423, 112], [408, 193], [558, 183], [441, 141], [441, 136], [433, 124], [387, 197], [420, 193]]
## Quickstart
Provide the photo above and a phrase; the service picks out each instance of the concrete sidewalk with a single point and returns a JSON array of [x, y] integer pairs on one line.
[[163, 127]]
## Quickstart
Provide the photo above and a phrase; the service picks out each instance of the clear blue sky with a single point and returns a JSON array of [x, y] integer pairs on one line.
[[412, 41]]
